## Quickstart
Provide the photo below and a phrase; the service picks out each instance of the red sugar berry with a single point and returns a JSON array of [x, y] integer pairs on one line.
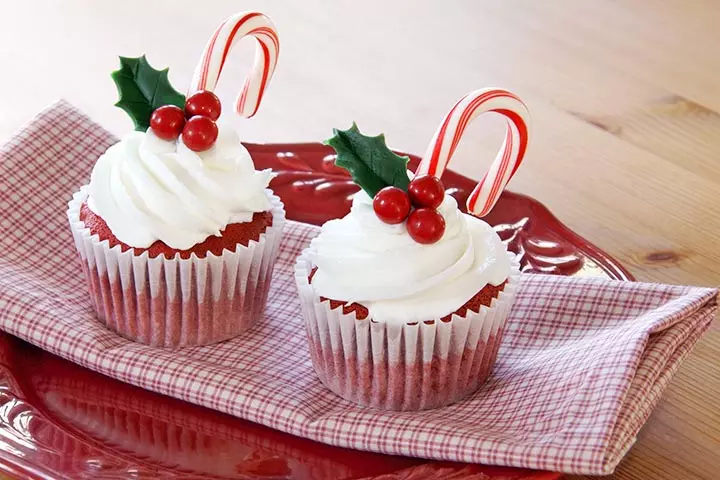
[[199, 133], [426, 191], [426, 225], [391, 205], [204, 103], [167, 122]]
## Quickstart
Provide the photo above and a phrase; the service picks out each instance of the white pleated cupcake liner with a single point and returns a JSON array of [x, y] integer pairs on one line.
[[411, 366], [178, 302]]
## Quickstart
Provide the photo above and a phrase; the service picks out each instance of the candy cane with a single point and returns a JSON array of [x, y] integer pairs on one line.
[[448, 135], [233, 29]]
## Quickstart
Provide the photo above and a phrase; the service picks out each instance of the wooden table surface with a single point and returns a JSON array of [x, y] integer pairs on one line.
[[625, 144]]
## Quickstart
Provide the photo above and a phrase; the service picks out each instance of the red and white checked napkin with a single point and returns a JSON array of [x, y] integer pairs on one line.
[[582, 364]]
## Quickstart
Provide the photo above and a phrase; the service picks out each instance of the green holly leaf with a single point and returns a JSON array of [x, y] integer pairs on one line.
[[142, 89], [372, 165]]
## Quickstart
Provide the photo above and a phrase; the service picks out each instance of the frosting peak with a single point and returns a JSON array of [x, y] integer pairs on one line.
[[147, 189], [361, 259]]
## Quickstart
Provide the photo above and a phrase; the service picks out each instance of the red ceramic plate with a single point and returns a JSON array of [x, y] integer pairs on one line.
[[59, 420]]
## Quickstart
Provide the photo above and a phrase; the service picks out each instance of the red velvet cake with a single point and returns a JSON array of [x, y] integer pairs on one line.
[[413, 385], [405, 298], [434, 362], [234, 234], [176, 231], [162, 297], [482, 298]]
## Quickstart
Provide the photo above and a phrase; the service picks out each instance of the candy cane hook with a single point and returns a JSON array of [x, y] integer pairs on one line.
[[230, 31], [448, 135]]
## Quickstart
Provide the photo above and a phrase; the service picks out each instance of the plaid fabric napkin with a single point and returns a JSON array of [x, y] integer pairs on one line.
[[582, 364]]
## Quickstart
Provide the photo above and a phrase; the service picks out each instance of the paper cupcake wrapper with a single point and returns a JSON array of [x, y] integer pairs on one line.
[[178, 302], [413, 366]]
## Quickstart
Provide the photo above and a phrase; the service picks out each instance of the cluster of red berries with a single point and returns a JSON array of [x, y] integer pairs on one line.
[[196, 123], [424, 223]]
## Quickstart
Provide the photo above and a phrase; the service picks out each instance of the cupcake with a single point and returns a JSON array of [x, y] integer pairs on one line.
[[405, 299], [177, 233]]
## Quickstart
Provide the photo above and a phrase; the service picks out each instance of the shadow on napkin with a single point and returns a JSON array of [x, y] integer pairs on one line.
[[582, 364]]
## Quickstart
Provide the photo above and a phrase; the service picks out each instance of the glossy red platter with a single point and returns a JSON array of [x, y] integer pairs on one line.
[[59, 420]]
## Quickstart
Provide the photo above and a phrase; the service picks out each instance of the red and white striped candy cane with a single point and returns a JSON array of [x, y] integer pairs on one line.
[[448, 135], [233, 29]]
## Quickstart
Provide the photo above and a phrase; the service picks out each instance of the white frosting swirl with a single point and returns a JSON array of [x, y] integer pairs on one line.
[[361, 259], [148, 189]]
